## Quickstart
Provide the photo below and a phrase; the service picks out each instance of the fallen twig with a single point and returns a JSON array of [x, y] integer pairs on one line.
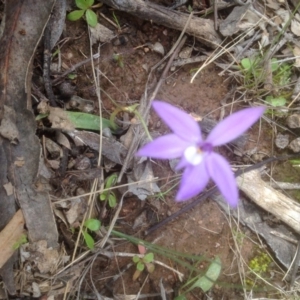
[[46, 67], [202, 29], [214, 190]]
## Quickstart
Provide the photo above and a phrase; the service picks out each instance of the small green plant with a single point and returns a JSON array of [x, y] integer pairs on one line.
[[118, 58], [110, 195], [197, 278], [203, 281], [22, 240], [116, 21], [276, 101], [142, 262], [254, 77], [92, 225], [85, 9], [260, 263]]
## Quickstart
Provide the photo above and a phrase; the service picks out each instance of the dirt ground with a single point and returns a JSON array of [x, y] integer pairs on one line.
[[204, 231]]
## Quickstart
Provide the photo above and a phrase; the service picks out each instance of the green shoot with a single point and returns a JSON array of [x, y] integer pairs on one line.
[[72, 76], [204, 282], [110, 195], [198, 280], [92, 225], [84, 10], [119, 59], [116, 21], [142, 262], [254, 78], [22, 240]]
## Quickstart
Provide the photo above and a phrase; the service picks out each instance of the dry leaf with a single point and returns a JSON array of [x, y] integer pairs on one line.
[[45, 258], [295, 25], [59, 119], [8, 128], [101, 33], [284, 16], [63, 140], [296, 52], [54, 164], [76, 211], [143, 183], [272, 4], [53, 148], [8, 188], [111, 148]]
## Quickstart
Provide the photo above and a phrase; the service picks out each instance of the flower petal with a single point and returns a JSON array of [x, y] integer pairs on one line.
[[183, 163], [165, 147], [221, 173], [194, 180], [234, 125], [179, 121]]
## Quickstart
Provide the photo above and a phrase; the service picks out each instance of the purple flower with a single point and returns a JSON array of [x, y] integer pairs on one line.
[[198, 158]]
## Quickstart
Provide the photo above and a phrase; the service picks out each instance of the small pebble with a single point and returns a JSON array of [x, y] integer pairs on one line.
[[158, 48], [186, 52], [53, 148], [83, 164], [295, 145], [107, 132], [293, 121], [66, 89], [282, 141]]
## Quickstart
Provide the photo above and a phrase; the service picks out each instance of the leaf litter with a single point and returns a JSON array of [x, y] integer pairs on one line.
[[129, 81]]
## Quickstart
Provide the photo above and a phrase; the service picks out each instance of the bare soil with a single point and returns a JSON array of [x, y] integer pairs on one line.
[[202, 231]]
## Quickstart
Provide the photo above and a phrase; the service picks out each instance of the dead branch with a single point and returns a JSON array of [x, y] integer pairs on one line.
[[202, 29], [271, 200]]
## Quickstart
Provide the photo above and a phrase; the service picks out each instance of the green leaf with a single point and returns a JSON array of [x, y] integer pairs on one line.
[[112, 201], [111, 180], [72, 76], [41, 116], [87, 121], [90, 2], [148, 258], [295, 161], [277, 101], [207, 281], [180, 297], [135, 259], [22, 240], [91, 18], [89, 240], [140, 266], [75, 15], [132, 108], [274, 64], [83, 4], [92, 224], [246, 63], [103, 196]]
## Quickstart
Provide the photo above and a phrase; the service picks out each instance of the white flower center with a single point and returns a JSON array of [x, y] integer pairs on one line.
[[193, 155]]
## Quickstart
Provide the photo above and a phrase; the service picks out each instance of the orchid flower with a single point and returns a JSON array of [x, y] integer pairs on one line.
[[197, 156]]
